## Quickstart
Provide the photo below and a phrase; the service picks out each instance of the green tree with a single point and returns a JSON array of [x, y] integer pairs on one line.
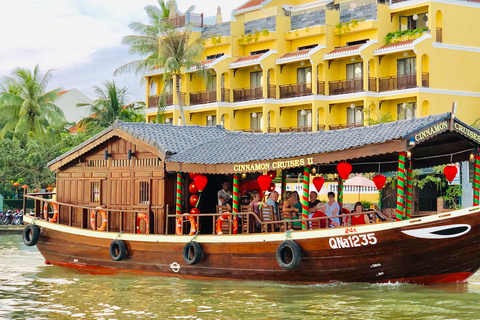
[[25, 104], [110, 105]]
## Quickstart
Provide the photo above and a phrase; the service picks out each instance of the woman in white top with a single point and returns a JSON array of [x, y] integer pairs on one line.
[[332, 209]]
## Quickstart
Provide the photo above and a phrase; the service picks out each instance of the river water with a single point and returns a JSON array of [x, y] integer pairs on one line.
[[29, 289]]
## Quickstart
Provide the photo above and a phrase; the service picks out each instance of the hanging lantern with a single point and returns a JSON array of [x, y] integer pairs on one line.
[[450, 172], [193, 175], [200, 182], [264, 182], [16, 184], [49, 189], [318, 183], [195, 211], [344, 169], [271, 187], [194, 200], [379, 181], [24, 187], [192, 188], [272, 174]]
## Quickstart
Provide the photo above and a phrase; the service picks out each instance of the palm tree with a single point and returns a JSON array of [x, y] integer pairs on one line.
[[162, 46], [111, 105], [25, 104]]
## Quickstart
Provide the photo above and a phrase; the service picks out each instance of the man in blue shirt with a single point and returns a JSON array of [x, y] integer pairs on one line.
[[272, 201]]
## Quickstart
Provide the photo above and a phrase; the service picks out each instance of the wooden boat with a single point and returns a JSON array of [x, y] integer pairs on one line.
[[128, 175]]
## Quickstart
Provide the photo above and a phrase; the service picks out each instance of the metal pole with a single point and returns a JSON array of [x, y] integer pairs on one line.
[[305, 197], [236, 193], [400, 186], [409, 192], [284, 184], [179, 200], [476, 181]]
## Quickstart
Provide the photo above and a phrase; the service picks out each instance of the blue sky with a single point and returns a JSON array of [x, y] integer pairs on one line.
[[79, 39]]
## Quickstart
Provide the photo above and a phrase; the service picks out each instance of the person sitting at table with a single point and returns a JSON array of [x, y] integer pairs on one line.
[[272, 201], [312, 204], [360, 217], [289, 211], [332, 209], [255, 205], [296, 201], [225, 196]]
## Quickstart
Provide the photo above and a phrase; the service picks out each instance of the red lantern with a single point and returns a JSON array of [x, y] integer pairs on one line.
[[264, 182], [24, 187], [379, 181], [271, 187], [272, 174], [16, 184], [344, 169], [193, 175], [318, 183], [193, 200], [450, 172], [194, 211], [200, 182], [192, 188]]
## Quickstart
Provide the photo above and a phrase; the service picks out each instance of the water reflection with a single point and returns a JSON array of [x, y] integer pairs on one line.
[[31, 290]]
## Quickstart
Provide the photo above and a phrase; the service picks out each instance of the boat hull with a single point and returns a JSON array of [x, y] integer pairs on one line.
[[434, 249]]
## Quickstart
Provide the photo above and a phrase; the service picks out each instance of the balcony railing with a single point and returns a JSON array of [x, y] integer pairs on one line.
[[246, 94], [296, 129], [271, 129], [225, 95], [320, 127], [344, 126], [321, 87], [153, 101], [397, 82], [372, 84], [252, 130], [345, 86], [425, 80], [272, 92], [295, 90], [194, 19], [203, 97], [439, 35]]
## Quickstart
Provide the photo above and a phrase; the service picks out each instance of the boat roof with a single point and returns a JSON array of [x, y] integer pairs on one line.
[[371, 148]]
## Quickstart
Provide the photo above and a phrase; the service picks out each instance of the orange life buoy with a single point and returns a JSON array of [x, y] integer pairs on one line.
[[220, 221], [55, 211], [178, 226], [104, 220], [142, 216]]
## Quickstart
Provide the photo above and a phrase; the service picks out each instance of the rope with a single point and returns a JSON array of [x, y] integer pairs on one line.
[[119, 234], [288, 234], [195, 236]]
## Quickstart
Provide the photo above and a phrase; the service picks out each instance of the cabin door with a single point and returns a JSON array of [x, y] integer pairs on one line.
[[142, 202]]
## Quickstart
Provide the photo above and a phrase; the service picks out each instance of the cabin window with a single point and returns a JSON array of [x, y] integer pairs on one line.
[[144, 192], [95, 192]]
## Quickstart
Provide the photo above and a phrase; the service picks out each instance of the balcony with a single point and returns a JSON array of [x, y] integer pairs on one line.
[[271, 129], [153, 101], [296, 129], [252, 130], [320, 127], [183, 20], [203, 97], [295, 90], [225, 95], [344, 126], [272, 94], [425, 80], [372, 84], [345, 86], [247, 94], [321, 87], [397, 82]]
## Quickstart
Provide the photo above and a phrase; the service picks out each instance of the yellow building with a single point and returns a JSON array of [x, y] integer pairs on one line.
[[322, 65]]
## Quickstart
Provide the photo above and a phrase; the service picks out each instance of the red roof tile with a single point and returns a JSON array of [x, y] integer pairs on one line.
[[204, 62], [346, 48], [398, 44], [294, 54], [249, 4], [248, 58]]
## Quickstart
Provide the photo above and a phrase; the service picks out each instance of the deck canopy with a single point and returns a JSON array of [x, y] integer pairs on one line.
[[432, 140]]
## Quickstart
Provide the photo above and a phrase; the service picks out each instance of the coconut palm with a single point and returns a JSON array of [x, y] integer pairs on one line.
[[110, 105], [24, 103]]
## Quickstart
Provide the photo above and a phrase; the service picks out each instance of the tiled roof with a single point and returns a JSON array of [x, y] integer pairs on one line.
[[345, 49], [241, 147], [205, 62], [248, 58], [398, 44], [169, 139], [294, 54], [249, 4]]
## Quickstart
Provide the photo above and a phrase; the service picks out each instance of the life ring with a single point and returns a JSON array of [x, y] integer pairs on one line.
[[30, 235], [178, 226], [192, 252], [55, 211], [294, 255], [220, 221], [104, 219], [193, 225], [142, 216], [118, 250]]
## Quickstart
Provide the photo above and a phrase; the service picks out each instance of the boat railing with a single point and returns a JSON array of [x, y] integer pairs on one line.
[[111, 219], [288, 224]]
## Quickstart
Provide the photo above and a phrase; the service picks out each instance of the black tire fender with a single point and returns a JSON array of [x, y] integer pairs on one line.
[[291, 248], [30, 235], [192, 252], [118, 250]]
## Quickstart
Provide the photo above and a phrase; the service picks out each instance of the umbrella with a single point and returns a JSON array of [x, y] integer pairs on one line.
[[359, 181]]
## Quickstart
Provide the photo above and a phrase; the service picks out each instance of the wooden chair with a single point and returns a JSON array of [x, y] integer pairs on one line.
[[245, 219], [267, 216], [226, 224], [284, 225]]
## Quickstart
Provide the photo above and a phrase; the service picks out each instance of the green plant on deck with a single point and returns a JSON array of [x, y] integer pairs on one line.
[[393, 37], [345, 27], [253, 37], [453, 193]]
